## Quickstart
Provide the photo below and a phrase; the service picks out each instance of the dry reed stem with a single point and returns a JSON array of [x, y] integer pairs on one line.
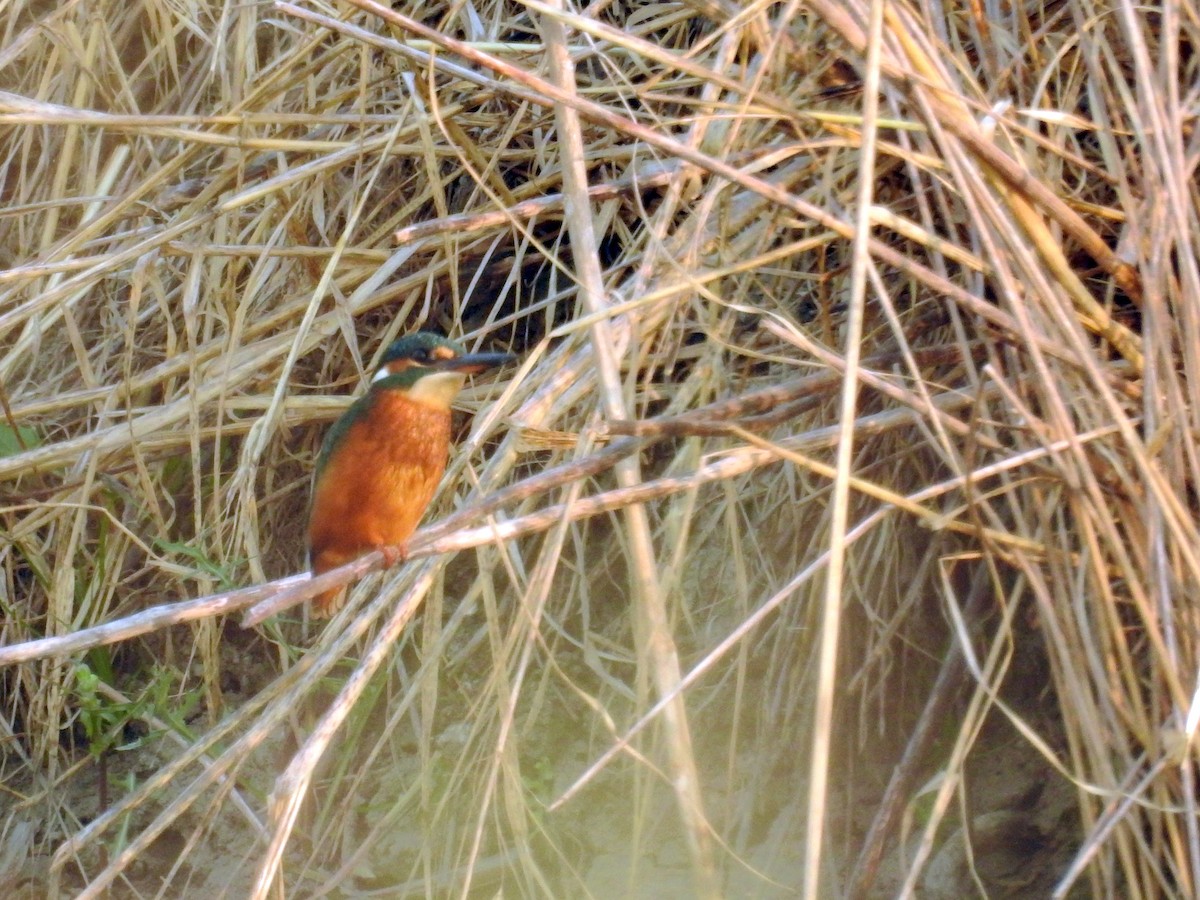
[[200, 205], [831, 602]]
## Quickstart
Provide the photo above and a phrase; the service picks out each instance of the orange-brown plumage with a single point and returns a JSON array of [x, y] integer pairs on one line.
[[373, 492], [381, 462]]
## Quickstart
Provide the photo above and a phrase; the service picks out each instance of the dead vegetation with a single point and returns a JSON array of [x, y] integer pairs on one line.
[[931, 633]]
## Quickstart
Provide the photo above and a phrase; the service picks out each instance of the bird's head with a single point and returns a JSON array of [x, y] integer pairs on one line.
[[430, 368]]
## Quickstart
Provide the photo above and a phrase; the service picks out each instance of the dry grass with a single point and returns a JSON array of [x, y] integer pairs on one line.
[[811, 618]]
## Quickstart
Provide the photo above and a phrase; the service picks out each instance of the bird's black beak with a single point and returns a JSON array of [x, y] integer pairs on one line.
[[474, 363]]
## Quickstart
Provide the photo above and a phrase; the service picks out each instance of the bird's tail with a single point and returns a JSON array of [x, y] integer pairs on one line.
[[324, 606]]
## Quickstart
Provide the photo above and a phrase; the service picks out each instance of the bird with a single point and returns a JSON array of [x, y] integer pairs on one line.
[[382, 461]]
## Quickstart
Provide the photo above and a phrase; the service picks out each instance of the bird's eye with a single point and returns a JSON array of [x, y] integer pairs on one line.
[[421, 354]]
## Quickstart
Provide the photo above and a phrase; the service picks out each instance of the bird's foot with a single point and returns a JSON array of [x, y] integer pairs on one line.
[[393, 554]]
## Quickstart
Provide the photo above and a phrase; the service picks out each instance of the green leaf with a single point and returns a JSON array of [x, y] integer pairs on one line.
[[18, 441]]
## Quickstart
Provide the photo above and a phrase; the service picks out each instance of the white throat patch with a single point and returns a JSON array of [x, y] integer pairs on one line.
[[438, 389]]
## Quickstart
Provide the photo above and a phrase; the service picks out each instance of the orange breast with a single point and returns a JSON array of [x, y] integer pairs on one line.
[[375, 487]]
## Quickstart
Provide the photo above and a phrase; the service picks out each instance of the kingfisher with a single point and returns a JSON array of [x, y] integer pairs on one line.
[[381, 462]]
